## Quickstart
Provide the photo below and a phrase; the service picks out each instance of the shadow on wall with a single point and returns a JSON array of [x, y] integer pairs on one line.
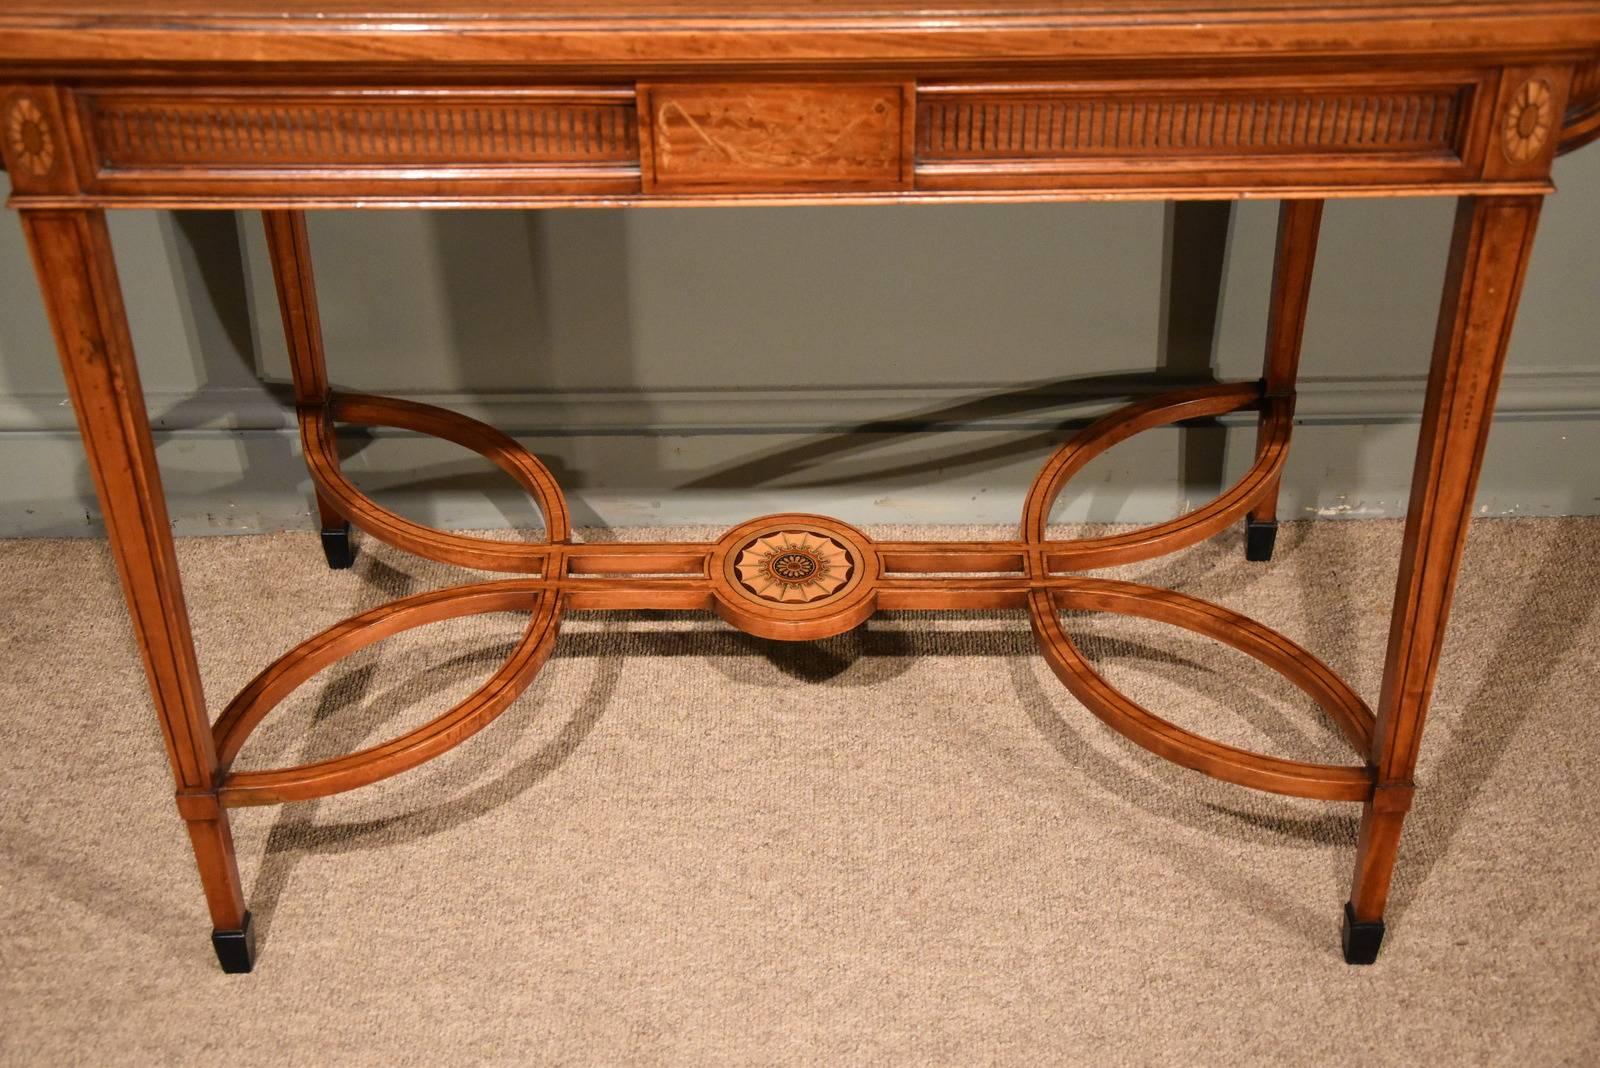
[[484, 304]]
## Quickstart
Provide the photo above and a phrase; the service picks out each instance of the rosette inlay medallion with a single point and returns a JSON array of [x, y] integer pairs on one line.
[[28, 137], [793, 566], [1528, 121]]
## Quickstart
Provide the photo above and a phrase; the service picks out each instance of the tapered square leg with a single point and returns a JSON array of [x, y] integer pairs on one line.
[[236, 949], [1488, 257], [77, 274], [289, 246], [1299, 222], [1361, 938]]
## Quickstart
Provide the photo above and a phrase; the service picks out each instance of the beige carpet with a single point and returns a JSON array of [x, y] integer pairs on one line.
[[905, 845]]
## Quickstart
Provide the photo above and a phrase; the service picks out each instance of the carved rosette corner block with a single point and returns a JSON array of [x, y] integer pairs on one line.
[[30, 145], [794, 577], [1528, 120]]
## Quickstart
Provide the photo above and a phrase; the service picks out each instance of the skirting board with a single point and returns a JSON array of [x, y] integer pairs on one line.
[[249, 481], [1562, 394]]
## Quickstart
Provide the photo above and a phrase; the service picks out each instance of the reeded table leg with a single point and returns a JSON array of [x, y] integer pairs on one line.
[[1488, 256], [72, 254], [290, 251], [1298, 224]]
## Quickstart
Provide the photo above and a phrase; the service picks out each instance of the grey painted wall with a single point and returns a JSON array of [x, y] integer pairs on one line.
[[880, 364]]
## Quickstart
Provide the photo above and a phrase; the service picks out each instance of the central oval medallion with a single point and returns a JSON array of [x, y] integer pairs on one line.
[[793, 566], [795, 576]]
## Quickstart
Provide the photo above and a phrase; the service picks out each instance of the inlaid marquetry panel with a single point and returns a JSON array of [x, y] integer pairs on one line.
[[133, 131], [794, 137], [1038, 125]]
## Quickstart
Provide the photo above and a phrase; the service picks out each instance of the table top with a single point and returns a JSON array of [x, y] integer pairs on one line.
[[35, 32]]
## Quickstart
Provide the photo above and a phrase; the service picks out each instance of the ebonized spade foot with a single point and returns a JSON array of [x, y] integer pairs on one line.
[[339, 546], [1259, 539], [1361, 940], [236, 950]]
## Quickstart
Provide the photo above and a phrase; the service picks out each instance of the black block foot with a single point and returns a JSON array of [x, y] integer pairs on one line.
[[1361, 939], [236, 950], [339, 546], [1259, 538]]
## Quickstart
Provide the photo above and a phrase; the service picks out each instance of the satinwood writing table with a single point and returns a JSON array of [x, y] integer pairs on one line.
[[285, 105]]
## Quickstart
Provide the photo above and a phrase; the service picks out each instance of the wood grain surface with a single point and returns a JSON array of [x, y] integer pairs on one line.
[[635, 32]]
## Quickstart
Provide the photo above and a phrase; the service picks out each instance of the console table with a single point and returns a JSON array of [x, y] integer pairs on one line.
[[286, 105]]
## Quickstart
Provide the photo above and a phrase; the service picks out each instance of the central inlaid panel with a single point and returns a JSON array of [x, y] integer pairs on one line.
[[710, 137]]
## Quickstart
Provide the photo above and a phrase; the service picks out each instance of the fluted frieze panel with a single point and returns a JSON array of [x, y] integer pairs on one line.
[[1038, 125], [133, 131]]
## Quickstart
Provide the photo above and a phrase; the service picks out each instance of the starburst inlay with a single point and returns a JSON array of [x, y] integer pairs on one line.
[[793, 566]]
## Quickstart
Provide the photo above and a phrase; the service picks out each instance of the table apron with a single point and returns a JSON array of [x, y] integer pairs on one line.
[[783, 138]]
